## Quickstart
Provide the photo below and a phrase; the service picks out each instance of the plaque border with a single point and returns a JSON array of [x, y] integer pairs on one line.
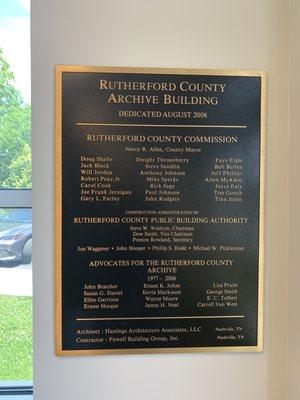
[[59, 69]]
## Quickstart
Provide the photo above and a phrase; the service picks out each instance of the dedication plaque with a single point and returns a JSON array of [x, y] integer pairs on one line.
[[160, 198]]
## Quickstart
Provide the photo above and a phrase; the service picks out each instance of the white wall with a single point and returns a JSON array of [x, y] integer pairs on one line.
[[238, 34]]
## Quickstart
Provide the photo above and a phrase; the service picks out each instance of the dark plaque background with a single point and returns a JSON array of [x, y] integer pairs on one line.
[[121, 285]]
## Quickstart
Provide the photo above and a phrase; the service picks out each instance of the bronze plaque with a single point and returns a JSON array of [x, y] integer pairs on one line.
[[159, 204]]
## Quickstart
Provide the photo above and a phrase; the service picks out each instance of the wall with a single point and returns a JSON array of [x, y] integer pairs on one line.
[[238, 34]]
